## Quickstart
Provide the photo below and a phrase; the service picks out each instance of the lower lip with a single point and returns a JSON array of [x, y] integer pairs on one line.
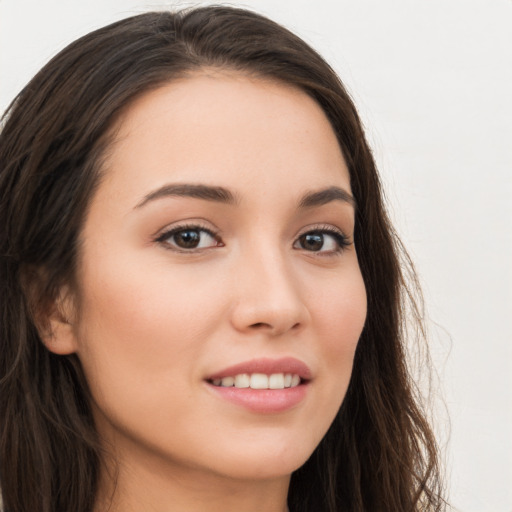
[[265, 401]]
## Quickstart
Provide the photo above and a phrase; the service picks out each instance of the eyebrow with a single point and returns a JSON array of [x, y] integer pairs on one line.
[[206, 192], [223, 195], [327, 195]]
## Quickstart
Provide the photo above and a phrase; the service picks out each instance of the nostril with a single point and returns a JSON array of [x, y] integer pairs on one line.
[[274, 328], [258, 324]]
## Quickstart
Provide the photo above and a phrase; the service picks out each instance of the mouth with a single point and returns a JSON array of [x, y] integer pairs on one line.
[[258, 381], [263, 385]]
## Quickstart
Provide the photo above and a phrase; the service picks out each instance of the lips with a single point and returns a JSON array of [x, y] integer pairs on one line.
[[266, 366], [263, 385]]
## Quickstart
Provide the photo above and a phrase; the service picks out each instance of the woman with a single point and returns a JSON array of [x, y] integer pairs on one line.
[[202, 298]]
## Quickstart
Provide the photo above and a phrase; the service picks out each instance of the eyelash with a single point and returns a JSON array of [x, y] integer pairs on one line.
[[341, 239], [164, 237]]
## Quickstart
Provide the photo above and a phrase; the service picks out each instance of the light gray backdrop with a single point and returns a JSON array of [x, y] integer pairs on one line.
[[433, 82]]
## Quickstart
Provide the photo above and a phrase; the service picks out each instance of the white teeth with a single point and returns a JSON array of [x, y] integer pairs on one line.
[[259, 381], [228, 382], [276, 381], [242, 381]]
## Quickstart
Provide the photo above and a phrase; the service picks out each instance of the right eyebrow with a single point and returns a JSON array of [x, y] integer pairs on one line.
[[326, 195], [206, 192]]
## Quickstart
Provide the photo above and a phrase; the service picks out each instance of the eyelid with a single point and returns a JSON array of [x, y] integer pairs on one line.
[[196, 225], [342, 238], [192, 223], [329, 228]]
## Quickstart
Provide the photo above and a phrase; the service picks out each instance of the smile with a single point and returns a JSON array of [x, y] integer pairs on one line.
[[259, 381], [264, 385]]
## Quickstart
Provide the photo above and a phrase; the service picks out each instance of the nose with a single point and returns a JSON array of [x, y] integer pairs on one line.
[[268, 297]]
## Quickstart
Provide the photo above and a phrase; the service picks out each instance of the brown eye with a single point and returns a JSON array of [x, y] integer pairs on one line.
[[312, 241], [189, 238], [325, 241]]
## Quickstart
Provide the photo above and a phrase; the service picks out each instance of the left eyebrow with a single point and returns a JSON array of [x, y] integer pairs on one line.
[[326, 195], [205, 192]]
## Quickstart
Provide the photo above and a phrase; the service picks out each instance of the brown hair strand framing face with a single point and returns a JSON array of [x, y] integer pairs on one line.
[[378, 455]]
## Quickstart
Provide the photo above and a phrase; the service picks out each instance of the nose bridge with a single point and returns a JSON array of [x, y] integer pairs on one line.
[[268, 295]]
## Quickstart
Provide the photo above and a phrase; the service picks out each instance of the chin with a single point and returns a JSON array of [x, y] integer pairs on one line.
[[262, 461]]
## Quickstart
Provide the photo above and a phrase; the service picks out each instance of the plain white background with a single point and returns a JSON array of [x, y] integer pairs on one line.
[[433, 81]]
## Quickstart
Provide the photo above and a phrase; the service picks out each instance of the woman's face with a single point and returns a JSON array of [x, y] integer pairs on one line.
[[219, 248]]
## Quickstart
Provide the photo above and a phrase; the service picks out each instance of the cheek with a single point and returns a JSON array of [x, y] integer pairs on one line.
[[141, 328], [340, 314], [141, 335], [132, 304], [340, 310]]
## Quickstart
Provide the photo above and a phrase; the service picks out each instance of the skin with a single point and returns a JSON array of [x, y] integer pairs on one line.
[[150, 321]]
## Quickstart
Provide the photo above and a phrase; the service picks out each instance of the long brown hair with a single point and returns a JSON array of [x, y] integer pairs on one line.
[[378, 455]]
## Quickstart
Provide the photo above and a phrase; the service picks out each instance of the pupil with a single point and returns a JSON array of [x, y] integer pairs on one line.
[[187, 239], [312, 241]]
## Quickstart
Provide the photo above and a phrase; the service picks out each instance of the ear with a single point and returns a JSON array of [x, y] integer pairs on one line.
[[58, 329], [54, 319]]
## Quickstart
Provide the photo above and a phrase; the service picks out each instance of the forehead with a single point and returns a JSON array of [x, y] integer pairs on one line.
[[224, 126]]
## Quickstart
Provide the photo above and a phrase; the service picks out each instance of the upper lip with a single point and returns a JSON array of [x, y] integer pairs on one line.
[[267, 366]]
